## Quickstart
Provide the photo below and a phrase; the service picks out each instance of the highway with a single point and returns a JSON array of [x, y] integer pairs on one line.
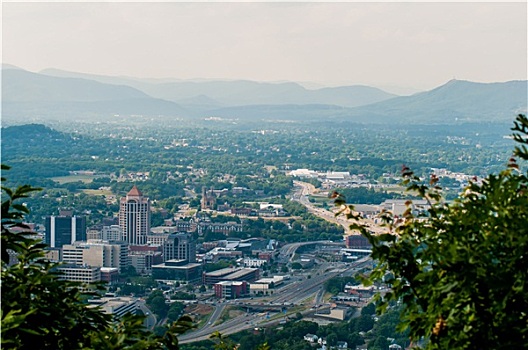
[[150, 319], [292, 294], [305, 189]]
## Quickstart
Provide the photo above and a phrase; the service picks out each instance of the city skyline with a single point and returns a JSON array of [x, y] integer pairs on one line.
[[411, 45]]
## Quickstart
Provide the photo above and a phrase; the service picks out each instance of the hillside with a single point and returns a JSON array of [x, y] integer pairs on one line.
[[64, 95], [455, 101], [241, 92], [26, 95]]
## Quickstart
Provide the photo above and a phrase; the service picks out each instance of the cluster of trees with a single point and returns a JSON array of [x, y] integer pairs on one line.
[[291, 335], [239, 154], [48, 202], [136, 285], [298, 230], [40, 309], [461, 271], [366, 195], [336, 285], [157, 302]]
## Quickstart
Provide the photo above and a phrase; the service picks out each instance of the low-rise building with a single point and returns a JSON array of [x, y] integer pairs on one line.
[[336, 313], [399, 206], [94, 233], [230, 274], [271, 210], [116, 306], [112, 233], [243, 211], [357, 241], [263, 285], [144, 257], [79, 273], [312, 338], [177, 270], [53, 254], [249, 262], [110, 275], [218, 227], [360, 292], [231, 289]]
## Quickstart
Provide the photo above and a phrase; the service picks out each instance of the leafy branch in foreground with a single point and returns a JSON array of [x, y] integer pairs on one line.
[[39, 309], [460, 271]]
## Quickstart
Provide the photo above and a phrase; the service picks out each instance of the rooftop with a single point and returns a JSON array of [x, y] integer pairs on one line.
[[134, 192]]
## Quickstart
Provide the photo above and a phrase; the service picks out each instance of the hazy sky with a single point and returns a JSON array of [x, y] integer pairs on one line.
[[419, 45]]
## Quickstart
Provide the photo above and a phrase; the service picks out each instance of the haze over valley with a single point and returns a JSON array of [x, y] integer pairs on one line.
[[255, 175]]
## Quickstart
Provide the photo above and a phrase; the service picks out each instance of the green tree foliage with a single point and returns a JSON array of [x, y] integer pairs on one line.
[[461, 271], [366, 195], [156, 302], [296, 266], [385, 328], [39, 310], [180, 295], [337, 284], [370, 309], [222, 264], [175, 311]]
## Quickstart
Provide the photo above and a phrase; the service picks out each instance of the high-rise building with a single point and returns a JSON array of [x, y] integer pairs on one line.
[[134, 217], [179, 246], [112, 233], [64, 229], [96, 253]]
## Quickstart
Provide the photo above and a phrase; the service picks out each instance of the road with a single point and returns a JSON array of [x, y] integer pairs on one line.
[[207, 329], [150, 319], [304, 189], [289, 295], [293, 293], [287, 251]]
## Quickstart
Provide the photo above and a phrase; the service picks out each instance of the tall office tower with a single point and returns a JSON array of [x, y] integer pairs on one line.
[[64, 229], [134, 217], [179, 246]]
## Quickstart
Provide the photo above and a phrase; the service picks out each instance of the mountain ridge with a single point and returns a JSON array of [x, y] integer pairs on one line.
[[27, 94], [242, 92]]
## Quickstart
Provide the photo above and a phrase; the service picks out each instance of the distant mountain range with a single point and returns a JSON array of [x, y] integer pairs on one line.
[[241, 92], [455, 101], [27, 94], [58, 94]]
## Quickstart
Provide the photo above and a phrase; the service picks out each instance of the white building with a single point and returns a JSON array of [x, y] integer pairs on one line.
[[117, 306], [263, 285], [77, 273], [312, 338], [251, 262], [96, 253], [398, 206], [303, 173]]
